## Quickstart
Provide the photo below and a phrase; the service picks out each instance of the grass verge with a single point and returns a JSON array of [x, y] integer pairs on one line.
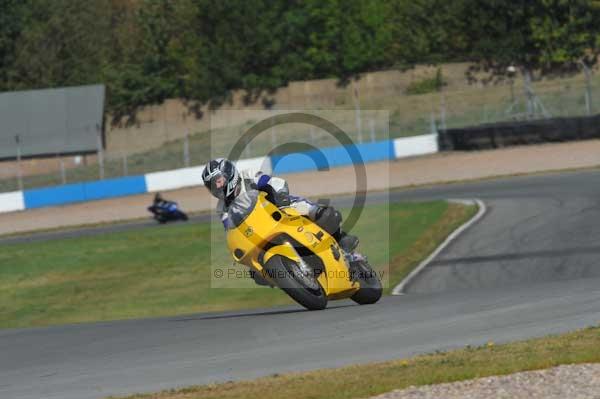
[[367, 380], [166, 270], [403, 262]]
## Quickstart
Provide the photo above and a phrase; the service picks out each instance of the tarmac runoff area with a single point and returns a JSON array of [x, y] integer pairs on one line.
[[442, 167]]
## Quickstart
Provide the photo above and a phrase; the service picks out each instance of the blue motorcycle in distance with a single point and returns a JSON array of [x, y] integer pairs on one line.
[[166, 211]]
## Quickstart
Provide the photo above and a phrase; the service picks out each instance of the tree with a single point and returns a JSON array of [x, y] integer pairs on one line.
[[148, 61], [65, 43], [345, 38], [202, 50], [426, 31], [13, 20], [242, 45], [546, 35]]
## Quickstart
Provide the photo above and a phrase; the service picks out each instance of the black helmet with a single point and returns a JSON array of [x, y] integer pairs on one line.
[[225, 189]]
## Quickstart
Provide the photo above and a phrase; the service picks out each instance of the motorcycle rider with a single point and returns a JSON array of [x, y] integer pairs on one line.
[[159, 201], [223, 180], [160, 206]]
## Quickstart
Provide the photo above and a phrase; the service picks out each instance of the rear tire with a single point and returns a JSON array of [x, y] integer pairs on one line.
[[370, 286], [283, 271]]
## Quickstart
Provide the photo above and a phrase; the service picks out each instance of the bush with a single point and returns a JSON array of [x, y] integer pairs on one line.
[[427, 85]]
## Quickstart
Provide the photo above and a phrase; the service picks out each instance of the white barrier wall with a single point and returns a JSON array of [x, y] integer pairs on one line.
[[173, 179], [188, 177], [253, 165], [13, 201], [416, 145]]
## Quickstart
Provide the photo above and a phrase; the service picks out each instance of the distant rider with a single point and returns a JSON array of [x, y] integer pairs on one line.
[[161, 206], [159, 201]]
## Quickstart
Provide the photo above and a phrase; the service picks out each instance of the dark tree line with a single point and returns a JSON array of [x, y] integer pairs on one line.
[[150, 50]]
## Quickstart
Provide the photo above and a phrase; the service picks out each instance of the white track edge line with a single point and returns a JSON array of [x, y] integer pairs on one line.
[[482, 210]]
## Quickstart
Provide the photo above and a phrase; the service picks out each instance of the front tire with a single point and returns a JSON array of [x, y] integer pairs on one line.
[[305, 290], [182, 216], [370, 286]]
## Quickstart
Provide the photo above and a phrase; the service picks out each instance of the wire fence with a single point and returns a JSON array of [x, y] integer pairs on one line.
[[513, 100]]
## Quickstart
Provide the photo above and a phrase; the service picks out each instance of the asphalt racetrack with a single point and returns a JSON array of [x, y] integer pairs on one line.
[[529, 268]]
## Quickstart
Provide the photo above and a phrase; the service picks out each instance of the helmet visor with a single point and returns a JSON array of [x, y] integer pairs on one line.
[[218, 185]]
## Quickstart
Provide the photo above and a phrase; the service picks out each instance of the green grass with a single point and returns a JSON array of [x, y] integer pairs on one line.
[[166, 270], [363, 381]]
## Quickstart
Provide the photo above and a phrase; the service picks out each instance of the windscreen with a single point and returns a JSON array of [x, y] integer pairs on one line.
[[242, 206]]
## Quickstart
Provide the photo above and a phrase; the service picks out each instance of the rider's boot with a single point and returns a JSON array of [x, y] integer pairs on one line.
[[348, 243]]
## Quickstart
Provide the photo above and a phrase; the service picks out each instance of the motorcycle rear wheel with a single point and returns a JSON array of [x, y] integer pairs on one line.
[[285, 273]]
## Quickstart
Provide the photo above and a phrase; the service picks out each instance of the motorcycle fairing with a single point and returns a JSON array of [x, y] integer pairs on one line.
[[262, 233]]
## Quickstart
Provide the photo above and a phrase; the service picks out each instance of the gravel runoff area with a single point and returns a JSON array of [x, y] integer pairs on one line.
[[562, 382], [442, 167]]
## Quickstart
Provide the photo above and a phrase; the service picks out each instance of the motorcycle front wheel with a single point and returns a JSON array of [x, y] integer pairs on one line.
[[304, 289], [181, 216], [370, 290]]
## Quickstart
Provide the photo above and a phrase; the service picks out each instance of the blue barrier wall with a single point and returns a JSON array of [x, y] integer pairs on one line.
[[70, 193], [49, 196], [115, 188], [331, 157]]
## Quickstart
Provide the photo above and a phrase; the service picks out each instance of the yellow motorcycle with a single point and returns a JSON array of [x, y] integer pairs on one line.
[[287, 250]]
